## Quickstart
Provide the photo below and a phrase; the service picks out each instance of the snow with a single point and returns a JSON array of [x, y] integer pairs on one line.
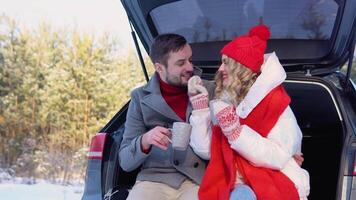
[[39, 191], [12, 188]]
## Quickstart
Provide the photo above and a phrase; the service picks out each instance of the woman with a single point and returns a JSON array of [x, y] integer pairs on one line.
[[254, 134]]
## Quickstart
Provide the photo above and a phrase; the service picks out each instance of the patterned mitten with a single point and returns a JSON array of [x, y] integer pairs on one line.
[[225, 115], [198, 95]]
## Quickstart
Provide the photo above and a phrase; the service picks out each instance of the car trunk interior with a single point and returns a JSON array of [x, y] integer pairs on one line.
[[320, 123], [318, 118]]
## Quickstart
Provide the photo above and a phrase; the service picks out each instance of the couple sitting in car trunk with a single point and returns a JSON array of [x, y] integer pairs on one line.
[[247, 130]]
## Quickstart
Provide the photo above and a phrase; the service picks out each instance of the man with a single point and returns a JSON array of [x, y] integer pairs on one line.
[[165, 173]]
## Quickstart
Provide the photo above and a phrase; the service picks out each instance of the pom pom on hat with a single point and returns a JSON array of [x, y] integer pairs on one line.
[[261, 31], [249, 49]]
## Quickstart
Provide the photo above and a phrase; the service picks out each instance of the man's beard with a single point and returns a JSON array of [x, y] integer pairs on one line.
[[177, 81]]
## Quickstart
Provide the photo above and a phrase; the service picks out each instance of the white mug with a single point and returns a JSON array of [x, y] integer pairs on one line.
[[181, 135]]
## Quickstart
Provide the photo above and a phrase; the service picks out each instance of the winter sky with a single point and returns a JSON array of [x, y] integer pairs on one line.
[[93, 16]]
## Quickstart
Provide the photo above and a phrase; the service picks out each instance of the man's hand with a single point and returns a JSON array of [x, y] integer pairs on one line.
[[158, 136]]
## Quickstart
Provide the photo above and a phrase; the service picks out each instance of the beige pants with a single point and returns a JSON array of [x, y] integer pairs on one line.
[[147, 190]]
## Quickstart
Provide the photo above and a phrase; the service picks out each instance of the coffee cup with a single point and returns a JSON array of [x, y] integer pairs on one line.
[[181, 135]]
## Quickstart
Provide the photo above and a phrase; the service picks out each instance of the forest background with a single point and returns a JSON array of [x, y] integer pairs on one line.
[[57, 89]]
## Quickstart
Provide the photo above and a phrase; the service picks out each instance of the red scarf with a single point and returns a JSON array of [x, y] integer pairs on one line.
[[220, 176], [176, 97]]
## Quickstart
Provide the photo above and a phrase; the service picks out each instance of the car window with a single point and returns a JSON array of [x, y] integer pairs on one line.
[[209, 20]]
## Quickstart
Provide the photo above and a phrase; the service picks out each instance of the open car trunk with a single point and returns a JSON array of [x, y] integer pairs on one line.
[[320, 121], [313, 40], [315, 106]]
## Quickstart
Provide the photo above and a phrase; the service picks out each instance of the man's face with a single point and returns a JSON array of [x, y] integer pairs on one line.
[[179, 67]]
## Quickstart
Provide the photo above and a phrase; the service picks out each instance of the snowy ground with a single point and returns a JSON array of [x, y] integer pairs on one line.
[[14, 189], [40, 191]]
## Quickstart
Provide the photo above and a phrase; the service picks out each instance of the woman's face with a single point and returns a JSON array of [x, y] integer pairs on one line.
[[224, 70]]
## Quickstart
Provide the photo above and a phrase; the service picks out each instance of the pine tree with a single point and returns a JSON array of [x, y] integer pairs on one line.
[[57, 89]]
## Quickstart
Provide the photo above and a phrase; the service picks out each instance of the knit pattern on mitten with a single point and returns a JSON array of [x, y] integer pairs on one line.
[[229, 123], [198, 94], [199, 101]]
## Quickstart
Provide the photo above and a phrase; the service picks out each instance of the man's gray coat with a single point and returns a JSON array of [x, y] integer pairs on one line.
[[147, 110]]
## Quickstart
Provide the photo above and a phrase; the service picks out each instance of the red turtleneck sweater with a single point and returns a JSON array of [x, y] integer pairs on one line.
[[176, 98]]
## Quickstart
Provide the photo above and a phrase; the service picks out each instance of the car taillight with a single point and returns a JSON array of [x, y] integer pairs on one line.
[[354, 171], [97, 146], [351, 191], [348, 190]]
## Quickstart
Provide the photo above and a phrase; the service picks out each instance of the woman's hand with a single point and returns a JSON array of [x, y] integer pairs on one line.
[[225, 115], [198, 94], [299, 159]]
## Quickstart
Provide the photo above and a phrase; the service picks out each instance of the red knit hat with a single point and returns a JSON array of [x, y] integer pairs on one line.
[[249, 49]]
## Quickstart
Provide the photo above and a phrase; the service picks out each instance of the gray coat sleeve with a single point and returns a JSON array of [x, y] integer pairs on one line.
[[131, 155]]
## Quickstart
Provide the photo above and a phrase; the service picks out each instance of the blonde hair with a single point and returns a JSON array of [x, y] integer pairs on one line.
[[241, 79]]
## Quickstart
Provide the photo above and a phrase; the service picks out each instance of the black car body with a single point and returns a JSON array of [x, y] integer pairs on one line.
[[312, 38]]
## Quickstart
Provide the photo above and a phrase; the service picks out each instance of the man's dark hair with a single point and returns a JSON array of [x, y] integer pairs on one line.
[[163, 45]]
